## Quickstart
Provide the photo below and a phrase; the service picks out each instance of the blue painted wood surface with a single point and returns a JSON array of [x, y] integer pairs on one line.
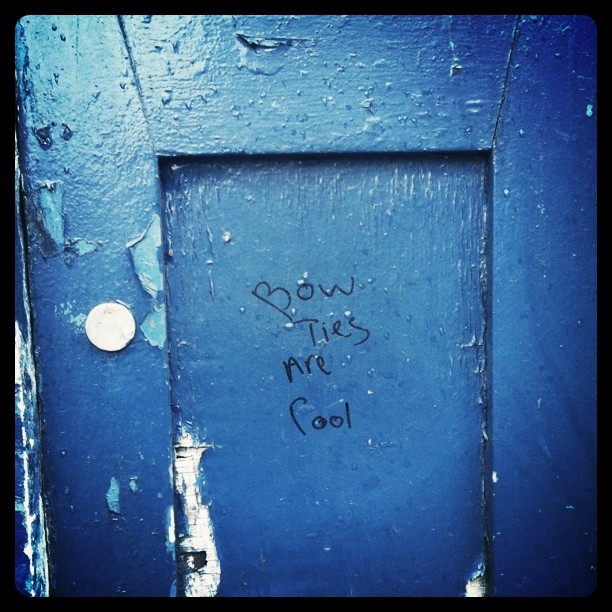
[[544, 314], [255, 84], [327, 347], [31, 562], [210, 85], [90, 188]]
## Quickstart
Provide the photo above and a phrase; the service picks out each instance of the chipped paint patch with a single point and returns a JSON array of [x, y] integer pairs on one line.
[[134, 486], [198, 568], [476, 585], [49, 209], [145, 253], [112, 498], [78, 320], [83, 246]]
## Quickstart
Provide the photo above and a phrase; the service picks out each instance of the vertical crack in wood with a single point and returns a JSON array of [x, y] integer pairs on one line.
[[482, 575], [130, 57], [502, 99]]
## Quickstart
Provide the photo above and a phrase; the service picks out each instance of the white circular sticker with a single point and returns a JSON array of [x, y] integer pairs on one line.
[[110, 326]]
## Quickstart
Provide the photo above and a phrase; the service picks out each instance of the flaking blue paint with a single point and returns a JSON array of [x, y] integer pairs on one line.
[[145, 251], [49, 205]]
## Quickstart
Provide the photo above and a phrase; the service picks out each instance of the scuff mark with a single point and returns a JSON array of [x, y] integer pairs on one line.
[[145, 252], [112, 499], [49, 210], [199, 570], [476, 585]]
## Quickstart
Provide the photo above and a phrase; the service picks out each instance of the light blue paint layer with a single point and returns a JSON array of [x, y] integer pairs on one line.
[[147, 265], [112, 496], [145, 256], [154, 326]]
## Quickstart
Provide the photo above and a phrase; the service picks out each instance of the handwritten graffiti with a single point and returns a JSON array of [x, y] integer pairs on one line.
[[318, 333]]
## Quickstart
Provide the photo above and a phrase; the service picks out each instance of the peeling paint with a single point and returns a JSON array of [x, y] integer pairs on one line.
[[154, 326], [32, 511], [198, 568], [476, 585], [145, 253], [112, 498], [49, 214]]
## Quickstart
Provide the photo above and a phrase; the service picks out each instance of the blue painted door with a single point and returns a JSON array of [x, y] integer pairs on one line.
[[327, 333], [359, 253]]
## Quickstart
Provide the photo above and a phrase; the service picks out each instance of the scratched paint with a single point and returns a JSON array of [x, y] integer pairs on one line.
[[145, 253]]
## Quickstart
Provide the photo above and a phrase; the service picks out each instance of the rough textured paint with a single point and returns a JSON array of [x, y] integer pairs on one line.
[[215, 84], [199, 570], [102, 413], [545, 314], [145, 251]]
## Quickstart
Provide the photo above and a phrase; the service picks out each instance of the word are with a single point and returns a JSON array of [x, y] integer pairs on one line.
[[280, 298], [320, 422], [292, 362]]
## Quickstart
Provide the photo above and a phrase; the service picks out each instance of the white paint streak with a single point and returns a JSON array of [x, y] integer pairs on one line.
[[476, 585], [23, 362], [196, 547]]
